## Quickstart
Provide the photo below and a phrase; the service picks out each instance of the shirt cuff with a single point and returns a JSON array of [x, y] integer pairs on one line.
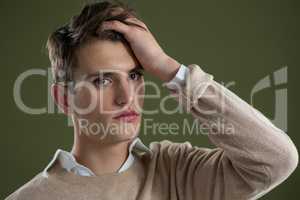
[[178, 80]]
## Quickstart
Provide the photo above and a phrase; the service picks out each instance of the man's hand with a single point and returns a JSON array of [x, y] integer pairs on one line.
[[145, 47]]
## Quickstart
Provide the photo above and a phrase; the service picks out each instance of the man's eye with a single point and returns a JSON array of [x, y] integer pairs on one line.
[[135, 75], [101, 82]]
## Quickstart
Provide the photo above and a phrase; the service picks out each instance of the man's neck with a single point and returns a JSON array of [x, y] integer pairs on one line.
[[100, 158]]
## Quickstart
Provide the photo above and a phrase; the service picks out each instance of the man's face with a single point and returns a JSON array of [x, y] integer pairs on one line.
[[108, 82]]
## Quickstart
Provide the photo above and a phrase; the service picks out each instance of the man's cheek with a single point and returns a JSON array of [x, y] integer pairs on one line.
[[85, 102], [139, 103]]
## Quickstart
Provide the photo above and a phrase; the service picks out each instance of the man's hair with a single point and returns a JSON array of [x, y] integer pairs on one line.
[[65, 40]]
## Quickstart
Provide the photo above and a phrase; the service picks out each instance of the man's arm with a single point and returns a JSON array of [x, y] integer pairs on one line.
[[252, 155], [252, 160]]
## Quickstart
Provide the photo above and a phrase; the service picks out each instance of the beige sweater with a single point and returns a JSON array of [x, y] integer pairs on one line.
[[245, 164]]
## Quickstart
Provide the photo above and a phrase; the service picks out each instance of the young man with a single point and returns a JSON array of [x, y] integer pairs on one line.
[[98, 60]]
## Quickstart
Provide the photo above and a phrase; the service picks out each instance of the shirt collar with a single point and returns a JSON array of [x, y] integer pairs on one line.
[[138, 146], [69, 162]]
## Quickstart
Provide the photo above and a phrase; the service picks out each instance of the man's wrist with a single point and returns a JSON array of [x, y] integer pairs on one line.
[[169, 69]]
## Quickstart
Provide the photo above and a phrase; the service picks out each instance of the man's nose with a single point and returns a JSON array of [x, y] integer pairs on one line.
[[124, 93]]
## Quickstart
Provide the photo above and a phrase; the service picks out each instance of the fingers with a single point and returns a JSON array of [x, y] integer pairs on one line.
[[122, 27], [116, 26], [137, 21]]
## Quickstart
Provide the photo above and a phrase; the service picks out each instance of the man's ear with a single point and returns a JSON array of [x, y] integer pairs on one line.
[[62, 98]]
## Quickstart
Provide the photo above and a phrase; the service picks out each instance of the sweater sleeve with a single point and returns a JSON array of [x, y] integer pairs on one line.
[[251, 157]]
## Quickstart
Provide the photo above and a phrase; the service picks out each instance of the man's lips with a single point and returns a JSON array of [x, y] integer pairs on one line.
[[127, 116]]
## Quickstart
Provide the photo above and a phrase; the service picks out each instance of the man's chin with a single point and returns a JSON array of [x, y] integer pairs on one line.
[[117, 138], [120, 131]]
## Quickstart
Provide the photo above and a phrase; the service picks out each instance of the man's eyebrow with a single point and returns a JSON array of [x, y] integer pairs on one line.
[[137, 68], [99, 73], [110, 74]]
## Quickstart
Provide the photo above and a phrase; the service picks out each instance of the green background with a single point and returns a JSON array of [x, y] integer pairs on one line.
[[241, 41]]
